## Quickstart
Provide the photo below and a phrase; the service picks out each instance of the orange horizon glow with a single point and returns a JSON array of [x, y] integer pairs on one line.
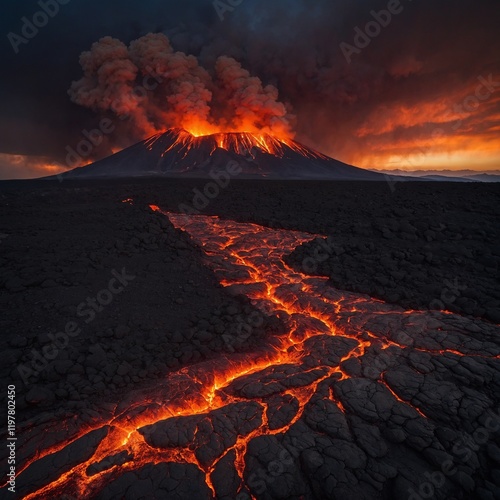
[[17, 166], [451, 154], [440, 132]]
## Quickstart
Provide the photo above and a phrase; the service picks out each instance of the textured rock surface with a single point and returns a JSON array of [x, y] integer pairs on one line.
[[295, 390]]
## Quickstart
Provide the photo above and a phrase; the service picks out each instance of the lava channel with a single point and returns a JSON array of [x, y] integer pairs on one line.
[[206, 416]]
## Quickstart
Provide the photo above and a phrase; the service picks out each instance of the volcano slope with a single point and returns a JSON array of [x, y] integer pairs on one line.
[[292, 388], [177, 152]]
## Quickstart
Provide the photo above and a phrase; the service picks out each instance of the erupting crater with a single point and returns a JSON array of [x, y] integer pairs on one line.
[[334, 406], [239, 143]]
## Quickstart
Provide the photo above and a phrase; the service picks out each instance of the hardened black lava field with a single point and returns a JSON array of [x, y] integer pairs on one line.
[[261, 340]]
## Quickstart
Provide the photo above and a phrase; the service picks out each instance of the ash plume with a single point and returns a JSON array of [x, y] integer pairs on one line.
[[249, 100], [156, 87]]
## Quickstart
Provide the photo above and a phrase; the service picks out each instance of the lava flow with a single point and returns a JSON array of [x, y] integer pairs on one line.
[[240, 143], [206, 416]]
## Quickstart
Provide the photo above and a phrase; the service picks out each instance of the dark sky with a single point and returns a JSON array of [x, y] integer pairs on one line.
[[398, 103]]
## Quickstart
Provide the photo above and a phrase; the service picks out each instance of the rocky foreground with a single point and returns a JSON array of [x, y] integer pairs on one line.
[[275, 385]]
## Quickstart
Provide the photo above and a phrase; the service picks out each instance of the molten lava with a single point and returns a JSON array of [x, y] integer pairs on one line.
[[241, 143], [295, 366]]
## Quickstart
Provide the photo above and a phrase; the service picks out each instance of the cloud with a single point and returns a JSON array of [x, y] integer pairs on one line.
[[27, 167]]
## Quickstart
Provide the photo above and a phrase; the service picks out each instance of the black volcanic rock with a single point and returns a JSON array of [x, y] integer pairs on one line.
[[377, 416], [452, 268], [243, 155]]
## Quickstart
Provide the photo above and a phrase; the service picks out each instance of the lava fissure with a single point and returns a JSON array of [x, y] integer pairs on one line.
[[328, 335]]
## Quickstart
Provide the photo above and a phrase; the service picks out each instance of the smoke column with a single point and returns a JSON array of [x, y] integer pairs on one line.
[[155, 88]]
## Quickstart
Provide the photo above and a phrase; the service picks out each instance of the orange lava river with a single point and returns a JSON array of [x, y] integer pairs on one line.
[[247, 259]]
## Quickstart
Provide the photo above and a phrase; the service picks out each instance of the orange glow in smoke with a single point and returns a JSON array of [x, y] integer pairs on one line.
[[199, 128]]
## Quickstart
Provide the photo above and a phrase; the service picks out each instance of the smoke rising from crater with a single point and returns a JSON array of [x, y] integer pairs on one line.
[[155, 87]]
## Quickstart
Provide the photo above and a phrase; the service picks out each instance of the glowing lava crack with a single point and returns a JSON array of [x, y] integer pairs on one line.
[[353, 393], [242, 143]]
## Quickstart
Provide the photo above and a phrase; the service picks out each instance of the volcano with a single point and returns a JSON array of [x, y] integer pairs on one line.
[[177, 152]]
